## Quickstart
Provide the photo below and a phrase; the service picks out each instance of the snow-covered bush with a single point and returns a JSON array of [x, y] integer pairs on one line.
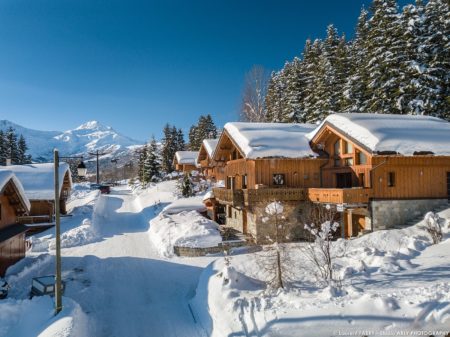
[[433, 224], [275, 258], [320, 251]]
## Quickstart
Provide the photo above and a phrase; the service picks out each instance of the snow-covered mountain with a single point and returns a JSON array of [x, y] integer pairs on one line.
[[88, 137]]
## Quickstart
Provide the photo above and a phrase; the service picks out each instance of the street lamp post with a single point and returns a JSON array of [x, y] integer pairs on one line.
[[58, 282]]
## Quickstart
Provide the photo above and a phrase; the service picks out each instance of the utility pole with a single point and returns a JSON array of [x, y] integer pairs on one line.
[[97, 153], [81, 169], [58, 288]]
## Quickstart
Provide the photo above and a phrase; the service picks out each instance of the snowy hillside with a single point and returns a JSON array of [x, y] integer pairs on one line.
[[87, 137]]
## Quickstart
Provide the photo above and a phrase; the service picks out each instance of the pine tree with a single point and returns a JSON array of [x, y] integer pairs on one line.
[[193, 142], [151, 166], [3, 148], [168, 148], [385, 54], [11, 146], [204, 129], [274, 98], [186, 186], [22, 148], [311, 57], [181, 144], [141, 164], [356, 92], [437, 46]]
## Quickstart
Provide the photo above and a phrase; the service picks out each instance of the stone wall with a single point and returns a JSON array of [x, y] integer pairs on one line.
[[263, 228], [390, 213], [236, 219]]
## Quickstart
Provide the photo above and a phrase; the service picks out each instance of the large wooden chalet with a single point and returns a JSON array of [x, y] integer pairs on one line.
[[13, 203], [376, 171], [38, 183]]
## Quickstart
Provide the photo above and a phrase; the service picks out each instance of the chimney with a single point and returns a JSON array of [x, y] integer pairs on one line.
[[8, 161]]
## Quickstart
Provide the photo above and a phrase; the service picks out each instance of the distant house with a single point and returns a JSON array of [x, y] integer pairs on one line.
[[185, 161], [210, 168], [264, 162], [38, 183], [13, 203], [382, 170]]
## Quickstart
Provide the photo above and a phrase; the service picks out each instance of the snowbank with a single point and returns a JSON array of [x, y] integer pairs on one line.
[[186, 229], [185, 204], [391, 280], [35, 317]]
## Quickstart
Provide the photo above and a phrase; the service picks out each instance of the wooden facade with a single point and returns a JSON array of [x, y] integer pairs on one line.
[[12, 234], [212, 170]]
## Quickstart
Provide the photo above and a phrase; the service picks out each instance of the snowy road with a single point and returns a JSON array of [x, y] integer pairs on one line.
[[131, 290]]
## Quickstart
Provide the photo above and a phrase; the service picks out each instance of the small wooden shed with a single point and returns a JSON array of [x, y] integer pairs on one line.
[[13, 203]]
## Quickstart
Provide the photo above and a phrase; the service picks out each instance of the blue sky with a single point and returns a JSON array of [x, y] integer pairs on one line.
[[135, 65]]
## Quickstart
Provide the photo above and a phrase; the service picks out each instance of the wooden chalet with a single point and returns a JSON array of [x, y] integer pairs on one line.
[[210, 169], [38, 183], [382, 170], [376, 171], [185, 161], [263, 162], [13, 203]]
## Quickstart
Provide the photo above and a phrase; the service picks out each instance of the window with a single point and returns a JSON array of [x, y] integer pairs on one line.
[[337, 162], [337, 148], [244, 181], [229, 212], [278, 179], [391, 179], [348, 161], [362, 158], [348, 147]]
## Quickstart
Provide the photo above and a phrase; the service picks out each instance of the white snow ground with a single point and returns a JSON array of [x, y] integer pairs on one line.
[[122, 284], [118, 283], [393, 282]]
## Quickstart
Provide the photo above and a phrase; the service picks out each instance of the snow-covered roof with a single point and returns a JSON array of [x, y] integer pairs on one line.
[[210, 145], [38, 179], [266, 140], [404, 134], [5, 177], [186, 157]]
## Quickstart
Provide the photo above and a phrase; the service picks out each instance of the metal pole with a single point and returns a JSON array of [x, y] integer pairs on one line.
[[58, 295]]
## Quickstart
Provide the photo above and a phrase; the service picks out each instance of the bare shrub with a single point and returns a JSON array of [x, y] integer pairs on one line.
[[433, 225]]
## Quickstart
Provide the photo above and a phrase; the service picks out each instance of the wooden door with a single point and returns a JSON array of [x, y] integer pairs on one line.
[[344, 180]]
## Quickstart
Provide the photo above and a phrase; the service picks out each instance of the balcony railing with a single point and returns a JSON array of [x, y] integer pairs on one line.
[[340, 195], [230, 197], [274, 194], [239, 198]]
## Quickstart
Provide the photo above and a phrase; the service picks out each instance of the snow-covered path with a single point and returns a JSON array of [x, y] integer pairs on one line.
[[131, 290]]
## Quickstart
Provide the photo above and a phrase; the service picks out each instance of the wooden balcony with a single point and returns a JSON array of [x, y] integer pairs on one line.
[[239, 198], [340, 195], [230, 197], [274, 194]]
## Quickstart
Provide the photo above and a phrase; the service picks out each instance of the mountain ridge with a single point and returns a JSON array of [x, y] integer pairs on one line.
[[80, 141]]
